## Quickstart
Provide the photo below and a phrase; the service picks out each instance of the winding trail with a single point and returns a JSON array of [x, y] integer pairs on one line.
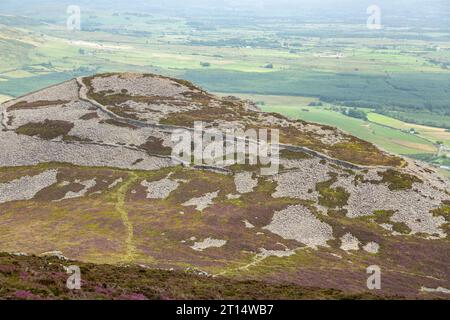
[[130, 252]]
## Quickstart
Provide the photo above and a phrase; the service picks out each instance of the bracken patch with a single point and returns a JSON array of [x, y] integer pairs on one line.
[[36, 104], [154, 145], [332, 197], [384, 216], [49, 129], [398, 180]]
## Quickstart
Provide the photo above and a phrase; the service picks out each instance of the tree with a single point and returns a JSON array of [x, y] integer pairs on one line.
[[356, 113]]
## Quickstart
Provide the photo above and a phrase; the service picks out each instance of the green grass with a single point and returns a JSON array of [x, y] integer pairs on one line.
[[431, 133], [349, 88], [383, 216], [388, 139], [20, 86], [332, 197], [443, 211], [420, 117], [388, 121], [369, 71], [398, 180]]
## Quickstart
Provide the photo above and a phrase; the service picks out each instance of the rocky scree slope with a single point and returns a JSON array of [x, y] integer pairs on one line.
[[86, 171]]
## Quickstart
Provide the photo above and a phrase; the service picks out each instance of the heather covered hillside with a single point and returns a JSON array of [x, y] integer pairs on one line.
[[44, 278], [87, 172]]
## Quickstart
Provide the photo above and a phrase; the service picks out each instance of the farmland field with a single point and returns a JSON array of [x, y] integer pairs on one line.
[[391, 140], [387, 133], [431, 133]]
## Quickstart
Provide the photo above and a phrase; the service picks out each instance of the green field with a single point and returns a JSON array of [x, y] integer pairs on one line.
[[388, 139], [387, 133], [431, 133], [402, 73], [391, 138], [396, 77]]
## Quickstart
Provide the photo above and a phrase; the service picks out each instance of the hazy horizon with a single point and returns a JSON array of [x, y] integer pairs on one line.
[[402, 13]]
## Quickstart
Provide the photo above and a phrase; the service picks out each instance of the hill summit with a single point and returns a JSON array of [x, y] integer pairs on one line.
[[87, 171]]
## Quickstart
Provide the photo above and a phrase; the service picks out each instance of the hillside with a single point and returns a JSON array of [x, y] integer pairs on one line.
[[86, 170], [45, 278]]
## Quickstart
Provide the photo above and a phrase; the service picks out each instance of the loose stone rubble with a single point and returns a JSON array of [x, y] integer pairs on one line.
[[66, 91], [301, 183], [56, 254], [428, 174], [298, 223], [208, 243], [34, 151], [372, 247], [71, 112], [244, 182], [102, 137], [25, 188], [349, 242], [138, 85], [248, 225], [263, 253], [411, 207], [327, 136], [160, 189], [438, 289], [203, 202], [87, 184], [115, 183]]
